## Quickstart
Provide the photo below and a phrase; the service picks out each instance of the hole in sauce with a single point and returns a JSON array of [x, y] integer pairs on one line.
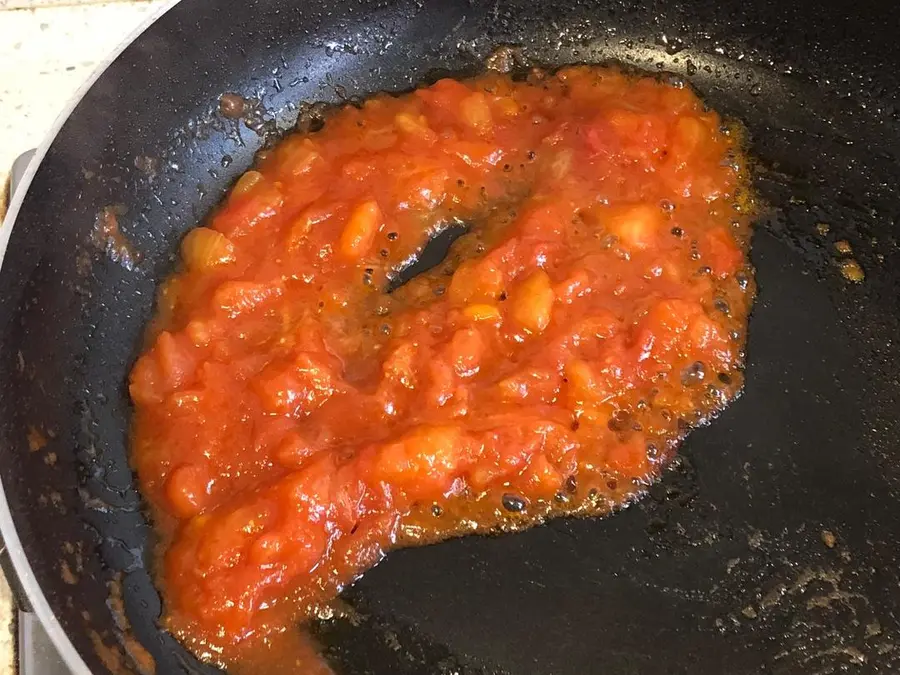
[[432, 254]]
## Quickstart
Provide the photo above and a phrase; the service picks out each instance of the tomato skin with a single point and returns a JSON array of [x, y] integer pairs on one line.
[[246, 212], [294, 421]]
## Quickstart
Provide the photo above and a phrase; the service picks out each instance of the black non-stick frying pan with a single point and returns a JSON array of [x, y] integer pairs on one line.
[[771, 546]]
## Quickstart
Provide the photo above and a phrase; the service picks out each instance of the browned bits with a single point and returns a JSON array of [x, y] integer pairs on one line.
[[843, 247], [36, 439], [504, 59], [232, 106], [851, 271], [107, 236]]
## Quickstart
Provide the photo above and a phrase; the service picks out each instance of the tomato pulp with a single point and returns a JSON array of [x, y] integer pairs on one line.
[[294, 419]]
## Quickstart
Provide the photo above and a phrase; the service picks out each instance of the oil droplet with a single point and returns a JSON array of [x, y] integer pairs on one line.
[[755, 90], [843, 247], [513, 503], [693, 374], [620, 421], [671, 44]]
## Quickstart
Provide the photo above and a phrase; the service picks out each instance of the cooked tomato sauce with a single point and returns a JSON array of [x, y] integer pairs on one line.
[[295, 419]]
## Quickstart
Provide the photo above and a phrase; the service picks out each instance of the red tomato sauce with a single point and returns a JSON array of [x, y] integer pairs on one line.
[[294, 420]]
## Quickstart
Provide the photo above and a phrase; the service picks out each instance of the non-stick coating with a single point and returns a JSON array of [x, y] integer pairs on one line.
[[724, 568]]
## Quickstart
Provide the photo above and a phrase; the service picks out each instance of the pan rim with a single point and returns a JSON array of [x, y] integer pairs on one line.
[[10, 536]]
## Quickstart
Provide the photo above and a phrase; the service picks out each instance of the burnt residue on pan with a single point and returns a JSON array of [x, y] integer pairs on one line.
[[108, 237], [803, 583]]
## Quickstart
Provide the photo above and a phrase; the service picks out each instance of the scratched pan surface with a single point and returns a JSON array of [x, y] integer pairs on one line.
[[723, 568]]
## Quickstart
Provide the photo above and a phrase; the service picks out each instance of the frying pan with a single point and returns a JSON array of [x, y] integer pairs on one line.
[[771, 546]]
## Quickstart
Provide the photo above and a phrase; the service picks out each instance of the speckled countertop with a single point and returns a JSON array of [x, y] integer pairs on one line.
[[47, 50]]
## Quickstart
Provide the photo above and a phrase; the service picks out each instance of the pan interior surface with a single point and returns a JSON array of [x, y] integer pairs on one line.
[[770, 546]]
